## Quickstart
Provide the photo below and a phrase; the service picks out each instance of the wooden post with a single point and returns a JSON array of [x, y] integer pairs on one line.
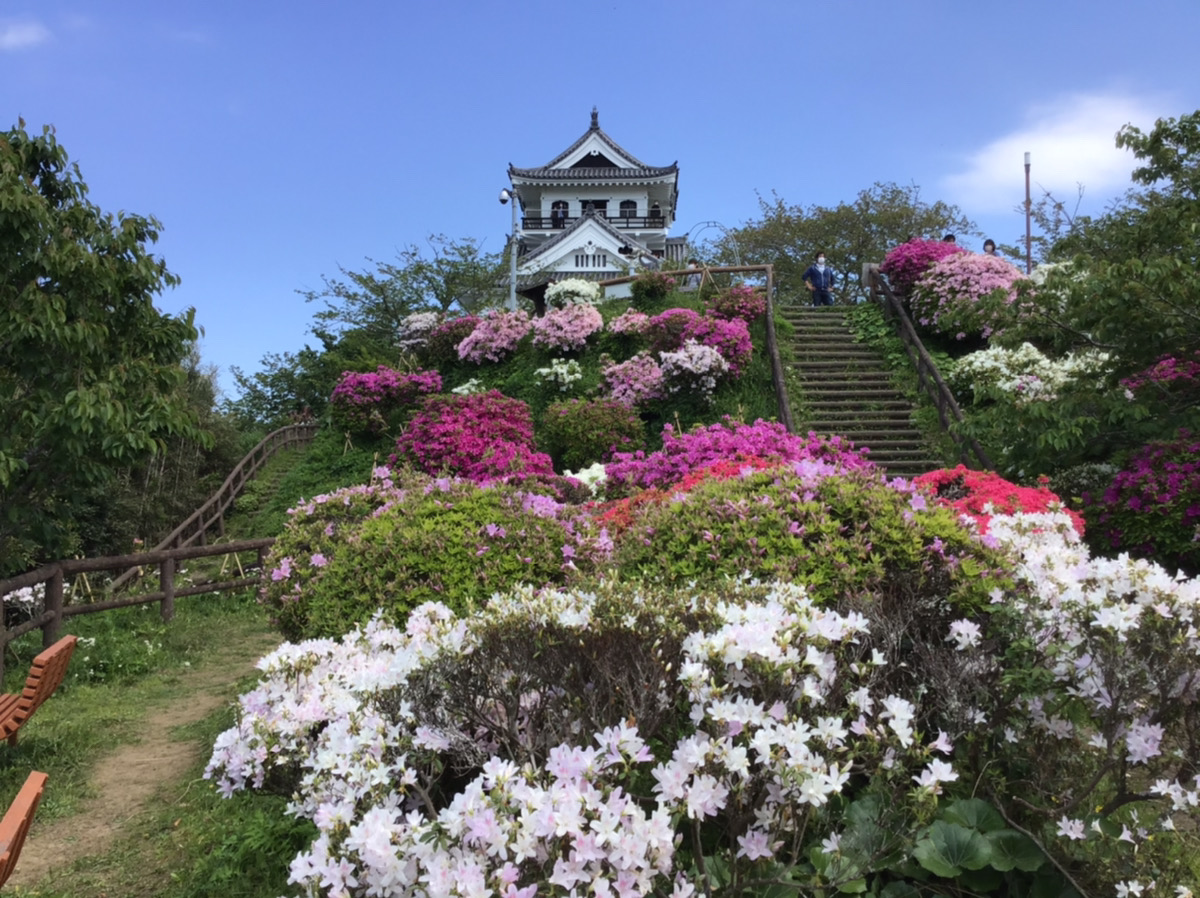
[[166, 579], [54, 601]]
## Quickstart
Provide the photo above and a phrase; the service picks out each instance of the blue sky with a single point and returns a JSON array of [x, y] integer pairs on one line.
[[277, 141]]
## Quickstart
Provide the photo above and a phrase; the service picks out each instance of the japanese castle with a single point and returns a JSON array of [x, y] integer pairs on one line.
[[594, 211]]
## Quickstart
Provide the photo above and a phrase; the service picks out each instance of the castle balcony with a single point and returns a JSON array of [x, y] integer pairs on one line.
[[622, 222]]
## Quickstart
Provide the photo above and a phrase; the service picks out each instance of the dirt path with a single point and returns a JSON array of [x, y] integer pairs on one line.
[[132, 775]]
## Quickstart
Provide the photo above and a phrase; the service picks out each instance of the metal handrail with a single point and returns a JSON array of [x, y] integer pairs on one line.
[[970, 453]]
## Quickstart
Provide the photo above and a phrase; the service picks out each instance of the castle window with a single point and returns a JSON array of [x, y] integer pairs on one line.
[[629, 208]]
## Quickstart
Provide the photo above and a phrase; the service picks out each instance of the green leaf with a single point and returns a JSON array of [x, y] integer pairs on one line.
[[1011, 849], [974, 813], [949, 849]]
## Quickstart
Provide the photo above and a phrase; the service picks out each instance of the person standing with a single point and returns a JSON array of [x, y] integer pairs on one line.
[[989, 247], [818, 277]]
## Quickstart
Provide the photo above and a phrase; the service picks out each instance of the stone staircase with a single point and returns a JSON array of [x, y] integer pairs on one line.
[[848, 391]]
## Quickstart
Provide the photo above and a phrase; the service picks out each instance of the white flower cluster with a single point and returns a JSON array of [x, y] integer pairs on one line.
[[593, 477], [414, 330], [695, 368], [771, 735], [1026, 374], [562, 373], [469, 388], [573, 291], [28, 601]]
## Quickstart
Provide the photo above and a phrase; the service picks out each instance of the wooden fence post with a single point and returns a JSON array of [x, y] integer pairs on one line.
[[167, 581], [54, 600]]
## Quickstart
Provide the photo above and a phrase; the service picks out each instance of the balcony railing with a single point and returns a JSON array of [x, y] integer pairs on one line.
[[627, 222]]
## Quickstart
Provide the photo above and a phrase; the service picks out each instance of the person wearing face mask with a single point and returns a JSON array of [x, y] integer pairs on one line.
[[818, 277]]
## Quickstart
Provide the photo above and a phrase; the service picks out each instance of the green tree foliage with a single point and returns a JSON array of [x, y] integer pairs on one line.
[[851, 234], [293, 385], [89, 368], [1133, 285], [446, 274]]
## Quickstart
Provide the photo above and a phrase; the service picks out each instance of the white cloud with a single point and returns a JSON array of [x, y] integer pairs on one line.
[[1071, 141], [19, 35]]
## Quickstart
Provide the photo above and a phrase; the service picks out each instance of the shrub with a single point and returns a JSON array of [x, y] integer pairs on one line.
[[441, 346], [650, 288], [391, 546], [1152, 507], [981, 494], [739, 732], [578, 432], [730, 338], [631, 322], [561, 375], [841, 533], [495, 336], [566, 329], [415, 329], [727, 440], [363, 402], [693, 370], [665, 330], [947, 297], [480, 436], [905, 264], [571, 291], [634, 382], [744, 303]]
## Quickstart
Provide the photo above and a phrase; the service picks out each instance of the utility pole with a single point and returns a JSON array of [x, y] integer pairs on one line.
[[1028, 218]]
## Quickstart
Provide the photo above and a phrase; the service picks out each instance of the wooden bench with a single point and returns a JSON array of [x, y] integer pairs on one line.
[[17, 819], [45, 675]]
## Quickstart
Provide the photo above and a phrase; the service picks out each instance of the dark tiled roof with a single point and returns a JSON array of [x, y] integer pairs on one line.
[[547, 173]]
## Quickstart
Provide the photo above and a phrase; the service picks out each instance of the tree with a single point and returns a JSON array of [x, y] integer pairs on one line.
[[1132, 287], [89, 368], [448, 273], [851, 234]]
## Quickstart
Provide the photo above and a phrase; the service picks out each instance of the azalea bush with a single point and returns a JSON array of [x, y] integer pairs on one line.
[[665, 330], [649, 289], [571, 291], [711, 740], [1025, 374], [562, 375], [693, 371], [387, 547], [566, 329], [905, 264], [365, 402], [631, 322], [845, 533], [743, 303], [947, 298], [730, 338], [415, 329], [441, 345], [980, 494], [725, 441], [634, 382], [480, 436], [579, 432], [495, 336], [1152, 506]]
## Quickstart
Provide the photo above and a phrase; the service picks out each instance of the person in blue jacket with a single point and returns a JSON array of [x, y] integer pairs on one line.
[[818, 277]]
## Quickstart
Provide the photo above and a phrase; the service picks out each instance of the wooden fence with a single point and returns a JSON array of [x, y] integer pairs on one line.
[[212, 513], [706, 273], [54, 577], [178, 545], [970, 453]]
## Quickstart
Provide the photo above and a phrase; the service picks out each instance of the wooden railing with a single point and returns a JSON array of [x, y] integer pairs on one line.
[[212, 512], [706, 273], [970, 453], [54, 577]]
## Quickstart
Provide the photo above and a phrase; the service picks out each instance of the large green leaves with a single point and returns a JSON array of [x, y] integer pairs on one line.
[[949, 849]]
